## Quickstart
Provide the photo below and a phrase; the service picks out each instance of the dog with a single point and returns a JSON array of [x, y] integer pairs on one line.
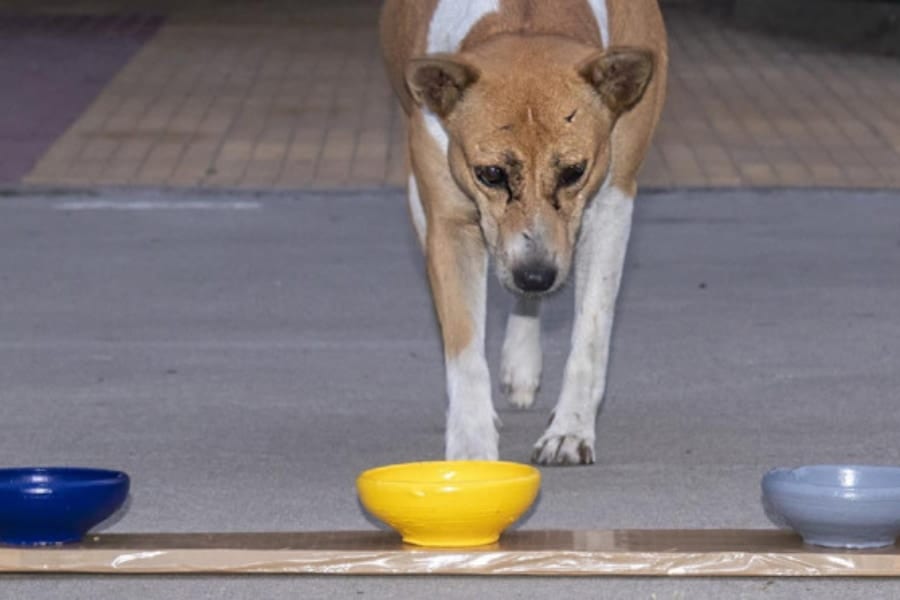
[[528, 121]]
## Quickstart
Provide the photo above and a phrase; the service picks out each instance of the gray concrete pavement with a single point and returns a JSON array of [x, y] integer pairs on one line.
[[244, 357]]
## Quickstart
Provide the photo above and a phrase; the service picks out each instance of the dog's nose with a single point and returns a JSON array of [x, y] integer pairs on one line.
[[534, 277]]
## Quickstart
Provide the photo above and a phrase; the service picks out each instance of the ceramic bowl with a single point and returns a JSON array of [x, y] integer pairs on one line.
[[56, 505], [838, 506], [449, 503]]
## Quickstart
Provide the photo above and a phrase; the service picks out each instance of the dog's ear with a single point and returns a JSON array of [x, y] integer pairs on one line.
[[619, 75], [439, 81]]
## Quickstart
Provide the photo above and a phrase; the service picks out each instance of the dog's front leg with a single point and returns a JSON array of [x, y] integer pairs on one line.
[[457, 272], [606, 227]]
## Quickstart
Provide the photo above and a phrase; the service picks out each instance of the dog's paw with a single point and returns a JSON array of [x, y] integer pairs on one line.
[[563, 450], [520, 396], [474, 441], [520, 370], [520, 378], [471, 449]]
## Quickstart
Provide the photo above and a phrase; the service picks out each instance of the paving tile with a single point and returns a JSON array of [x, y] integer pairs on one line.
[[272, 93], [52, 68], [759, 174]]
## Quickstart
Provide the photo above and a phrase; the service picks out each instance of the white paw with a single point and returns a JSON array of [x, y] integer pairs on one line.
[[520, 375], [469, 439], [471, 448], [563, 449], [520, 360], [471, 420], [520, 396]]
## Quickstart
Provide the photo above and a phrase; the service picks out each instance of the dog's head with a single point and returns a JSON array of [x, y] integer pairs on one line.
[[529, 123]]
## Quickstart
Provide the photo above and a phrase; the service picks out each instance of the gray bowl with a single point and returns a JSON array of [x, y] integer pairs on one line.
[[838, 506]]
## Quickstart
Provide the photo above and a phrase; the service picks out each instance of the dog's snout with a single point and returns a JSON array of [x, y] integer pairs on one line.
[[535, 277]]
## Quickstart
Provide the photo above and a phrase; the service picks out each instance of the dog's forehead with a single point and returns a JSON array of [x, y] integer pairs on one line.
[[547, 92], [512, 105], [530, 102], [535, 129]]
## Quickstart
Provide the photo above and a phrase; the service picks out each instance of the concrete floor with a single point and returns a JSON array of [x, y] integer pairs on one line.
[[244, 356]]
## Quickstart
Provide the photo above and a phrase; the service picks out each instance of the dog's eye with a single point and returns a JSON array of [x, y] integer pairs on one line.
[[491, 176], [570, 175]]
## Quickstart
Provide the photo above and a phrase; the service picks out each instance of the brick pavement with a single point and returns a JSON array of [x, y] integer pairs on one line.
[[267, 95], [52, 67]]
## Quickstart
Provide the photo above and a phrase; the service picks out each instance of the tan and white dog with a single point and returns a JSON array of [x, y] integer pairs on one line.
[[528, 122]]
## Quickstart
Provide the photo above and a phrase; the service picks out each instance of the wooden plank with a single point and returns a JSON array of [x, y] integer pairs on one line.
[[704, 552]]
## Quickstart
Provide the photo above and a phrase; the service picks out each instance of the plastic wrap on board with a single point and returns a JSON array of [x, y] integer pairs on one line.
[[568, 553]]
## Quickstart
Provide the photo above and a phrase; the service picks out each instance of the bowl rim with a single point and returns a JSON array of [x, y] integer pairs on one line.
[[789, 479], [11, 478], [528, 473]]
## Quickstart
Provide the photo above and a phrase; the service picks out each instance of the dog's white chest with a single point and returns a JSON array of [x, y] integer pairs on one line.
[[602, 17], [452, 21]]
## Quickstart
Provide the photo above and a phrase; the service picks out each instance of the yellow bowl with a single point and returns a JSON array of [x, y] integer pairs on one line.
[[449, 503]]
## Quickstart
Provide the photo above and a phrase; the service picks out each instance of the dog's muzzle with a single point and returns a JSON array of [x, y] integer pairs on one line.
[[534, 277]]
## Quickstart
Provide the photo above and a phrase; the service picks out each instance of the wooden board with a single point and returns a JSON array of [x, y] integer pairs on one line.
[[709, 552]]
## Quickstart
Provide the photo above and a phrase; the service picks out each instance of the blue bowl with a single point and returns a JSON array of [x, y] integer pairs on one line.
[[837, 506], [56, 505]]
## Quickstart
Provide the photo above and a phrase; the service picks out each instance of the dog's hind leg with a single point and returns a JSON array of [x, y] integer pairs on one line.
[[520, 364], [601, 255]]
